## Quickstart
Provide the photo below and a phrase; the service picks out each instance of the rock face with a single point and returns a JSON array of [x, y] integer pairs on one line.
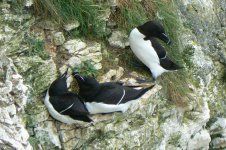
[[153, 122], [13, 99], [218, 133], [118, 39]]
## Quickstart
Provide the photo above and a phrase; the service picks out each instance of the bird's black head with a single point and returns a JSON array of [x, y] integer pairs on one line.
[[85, 83], [154, 29], [59, 86]]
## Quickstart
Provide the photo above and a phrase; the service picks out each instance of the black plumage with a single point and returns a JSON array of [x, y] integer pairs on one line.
[[165, 61], [153, 29], [143, 42], [65, 103], [108, 92]]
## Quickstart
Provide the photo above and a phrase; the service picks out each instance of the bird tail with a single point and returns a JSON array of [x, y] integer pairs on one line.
[[143, 91], [168, 64]]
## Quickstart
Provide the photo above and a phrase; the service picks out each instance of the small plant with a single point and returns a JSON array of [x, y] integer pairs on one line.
[[36, 47], [87, 68], [86, 12]]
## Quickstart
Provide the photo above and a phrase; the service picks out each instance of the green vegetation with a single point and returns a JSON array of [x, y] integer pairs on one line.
[[166, 10], [130, 14], [87, 68], [83, 11], [174, 139], [36, 47], [175, 84]]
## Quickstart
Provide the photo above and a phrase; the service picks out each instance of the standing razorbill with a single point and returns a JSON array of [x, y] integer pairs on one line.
[[148, 49], [107, 97], [63, 105]]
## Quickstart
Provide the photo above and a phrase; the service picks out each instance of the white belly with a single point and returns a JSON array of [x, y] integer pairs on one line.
[[145, 52], [96, 108], [63, 118]]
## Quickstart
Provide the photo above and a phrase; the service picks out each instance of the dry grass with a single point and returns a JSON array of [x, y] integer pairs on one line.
[[176, 88], [61, 11], [129, 14], [150, 8], [124, 3]]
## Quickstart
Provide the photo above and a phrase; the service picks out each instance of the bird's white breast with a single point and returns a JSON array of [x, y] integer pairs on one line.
[[63, 118], [96, 108], [142, 48], [145, 52]]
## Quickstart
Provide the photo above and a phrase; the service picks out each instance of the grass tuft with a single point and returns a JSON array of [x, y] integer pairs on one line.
[[87, 69], [176, 84], [168, 17], [130, 14], [83, 11], [37, 47], [176, 88]]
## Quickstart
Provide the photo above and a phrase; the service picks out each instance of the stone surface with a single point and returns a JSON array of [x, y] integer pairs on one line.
[[113, 75], [118, 39], [98, 66], [218, 133], [13, 99], [74, 62], [29, 3], [58, 38], [74, 46], [200, 140], [72, 25], [154, 121]]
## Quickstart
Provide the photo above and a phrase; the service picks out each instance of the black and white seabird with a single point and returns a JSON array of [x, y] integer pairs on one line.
[[63, 105], [107, 97], [149, 50]]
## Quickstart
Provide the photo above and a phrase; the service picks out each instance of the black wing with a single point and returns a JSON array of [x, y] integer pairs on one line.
[[132, 94], [168, 64], [70, 104], [109, 93], [158, 48]]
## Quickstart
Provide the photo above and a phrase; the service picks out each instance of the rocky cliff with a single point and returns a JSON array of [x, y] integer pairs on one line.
[[34, 51]]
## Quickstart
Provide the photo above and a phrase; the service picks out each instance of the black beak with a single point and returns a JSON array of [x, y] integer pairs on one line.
[[165, 38], [75, 72], [77, 76], [65, 74]]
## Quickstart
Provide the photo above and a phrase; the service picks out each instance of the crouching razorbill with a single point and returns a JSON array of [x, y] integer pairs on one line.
[[149, 50], [63, 105], [107, 97]]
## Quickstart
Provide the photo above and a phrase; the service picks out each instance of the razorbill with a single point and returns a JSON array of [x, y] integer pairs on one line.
[[63, 105], [149, 50], [107, 97]]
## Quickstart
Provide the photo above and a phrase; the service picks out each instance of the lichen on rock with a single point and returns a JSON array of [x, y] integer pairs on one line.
[[27, 68]]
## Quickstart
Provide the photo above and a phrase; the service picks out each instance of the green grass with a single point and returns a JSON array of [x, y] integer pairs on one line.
[[87, 69], [175, 84], [86, 12], [166, 10], [130, 14], [36, 47]]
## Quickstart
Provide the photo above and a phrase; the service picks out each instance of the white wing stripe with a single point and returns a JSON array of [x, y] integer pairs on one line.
[[66, 109], [122, 97]]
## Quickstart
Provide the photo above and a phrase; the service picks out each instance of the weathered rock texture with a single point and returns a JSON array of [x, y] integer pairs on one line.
[[13, 99], [154, 122]]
